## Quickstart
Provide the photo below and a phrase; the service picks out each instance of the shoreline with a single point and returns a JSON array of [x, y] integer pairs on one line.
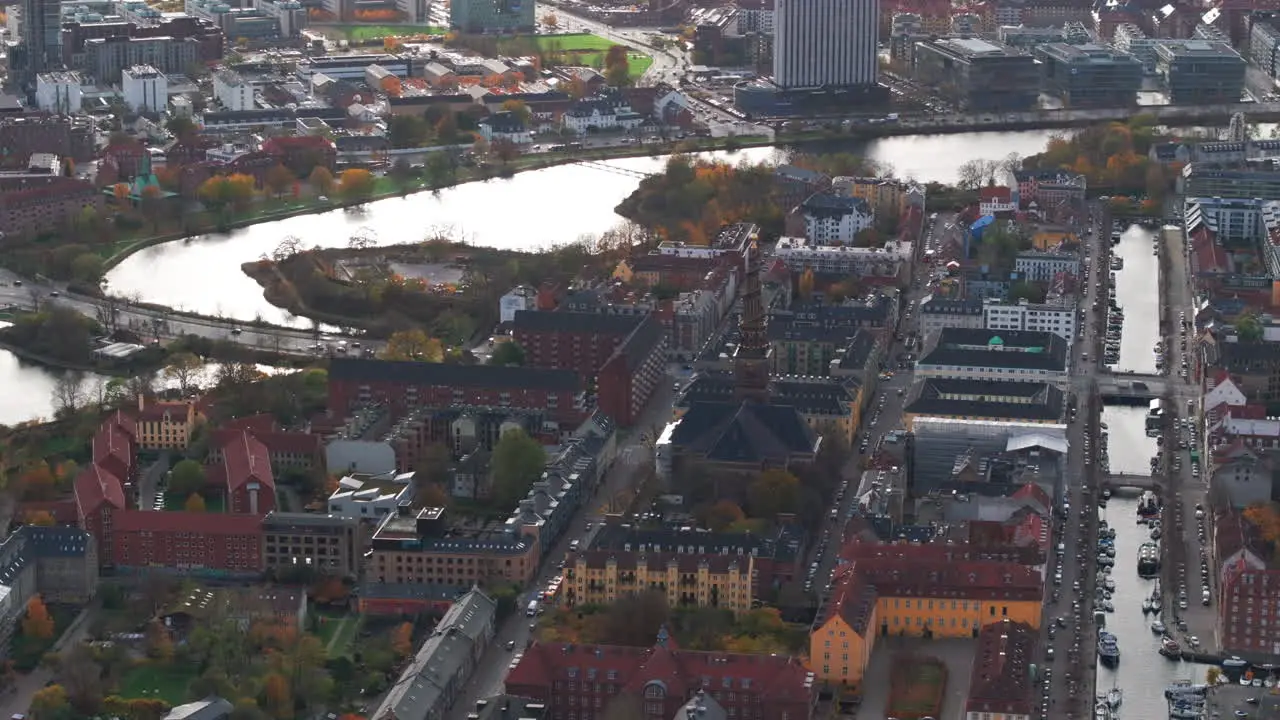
[[314, 207]]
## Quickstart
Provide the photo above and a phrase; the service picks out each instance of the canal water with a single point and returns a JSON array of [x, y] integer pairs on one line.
[[1142, 673], [1137, 293]]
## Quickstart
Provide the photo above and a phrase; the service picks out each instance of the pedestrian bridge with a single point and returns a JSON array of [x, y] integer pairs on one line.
[[1141, 482], [1120, 387]]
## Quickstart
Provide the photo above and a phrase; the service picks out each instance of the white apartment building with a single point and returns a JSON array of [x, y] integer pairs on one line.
[[1057, 319], [370, 497], [145, 89], [825, 43], [834, 219], [1043, 266], [520, 297], [59, 92], [232, 91], [939, 313], [842, 259]]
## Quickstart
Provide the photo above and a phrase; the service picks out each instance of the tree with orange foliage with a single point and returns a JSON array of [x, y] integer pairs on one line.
[[194, 504], [330, 589], [806, 283], [402, 640], [38, 481], [37, 622], [392, 86], [120, 191], [1266, 518], [723, 514], [279, 179], [356, 184], [279, 698], [391, 44], [42, 518]]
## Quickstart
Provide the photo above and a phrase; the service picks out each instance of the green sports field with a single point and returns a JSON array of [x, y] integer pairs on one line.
[[589, 50]]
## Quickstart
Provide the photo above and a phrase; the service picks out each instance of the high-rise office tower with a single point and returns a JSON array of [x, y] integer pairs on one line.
[[825, 43], [41, 36]]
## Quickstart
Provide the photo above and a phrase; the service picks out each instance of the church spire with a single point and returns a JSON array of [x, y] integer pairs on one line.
[[751, 359]]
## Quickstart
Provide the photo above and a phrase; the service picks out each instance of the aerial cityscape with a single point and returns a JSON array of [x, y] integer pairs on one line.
[[679, 360]]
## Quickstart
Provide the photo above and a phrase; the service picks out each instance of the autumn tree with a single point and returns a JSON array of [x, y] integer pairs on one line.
[[321, 180], [279, 698], [806, 284], [279, 179], [402, 639], [40, 518], [550, 20], [159, 643], [617, 66], [37, 622], [723, 514], [49, 702], [38, 481], [518, 460], [356, 184], [774, 491], [194, 503], [413, 345], [182, 369], [518, 108]]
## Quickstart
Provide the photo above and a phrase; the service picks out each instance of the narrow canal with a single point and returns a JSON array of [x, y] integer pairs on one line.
[[1137, 294], [1142, 673]]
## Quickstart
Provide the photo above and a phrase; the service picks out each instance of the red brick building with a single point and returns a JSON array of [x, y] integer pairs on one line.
[[403, 386], [188, 541], [32, 205], [577, 682], [99, 502], [1248, 585], [302, 153], [624, 355]]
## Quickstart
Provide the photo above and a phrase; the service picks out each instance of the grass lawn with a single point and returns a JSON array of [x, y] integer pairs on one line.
[[917, 688], [337, 632], [214, 504], [361, 33], [167, 682], [573, 42]]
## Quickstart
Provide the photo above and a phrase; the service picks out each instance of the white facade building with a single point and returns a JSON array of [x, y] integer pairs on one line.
[[841, 259], [59, 92], [145, 89], [1059, 320], [232, 91], [521, 297], [367, 497], [1042, 266], [825, 43], [835, 220], [601, 115]]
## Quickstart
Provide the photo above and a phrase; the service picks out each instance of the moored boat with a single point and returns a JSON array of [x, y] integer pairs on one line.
[[1158, 627]]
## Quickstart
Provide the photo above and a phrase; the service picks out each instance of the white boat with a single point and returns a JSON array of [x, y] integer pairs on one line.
[[1108, 606], [1146, 605], [1114, 697], [1157, 627], [1102, 712], [1109, 584]]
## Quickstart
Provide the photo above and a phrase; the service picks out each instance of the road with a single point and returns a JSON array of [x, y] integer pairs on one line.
[[634, 456], [17, 697], [30, 294]]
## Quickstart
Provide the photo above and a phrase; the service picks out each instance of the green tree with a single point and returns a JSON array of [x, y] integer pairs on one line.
[[518, 460], [1249, 327], [508, 353], [1028, 291], [87, 268], [182, 368], [775, 491], [408, 131], [186, 478]]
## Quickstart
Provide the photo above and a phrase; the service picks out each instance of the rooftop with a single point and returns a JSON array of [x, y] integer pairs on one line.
[[1002, 399], [1002, 680], [446, 375]]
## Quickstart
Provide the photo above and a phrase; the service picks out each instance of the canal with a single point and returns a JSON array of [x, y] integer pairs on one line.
[[1137, 293], [1142, 673]]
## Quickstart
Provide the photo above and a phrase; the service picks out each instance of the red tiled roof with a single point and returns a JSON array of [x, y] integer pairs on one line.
[[770, 677], [852, 598], [205, 523], [246, 459], [95, 486], [260, 423], [944, 571], [1001, 679], [1032, 491], [113, 450], [995, 193], [156, 411], [125, 422]]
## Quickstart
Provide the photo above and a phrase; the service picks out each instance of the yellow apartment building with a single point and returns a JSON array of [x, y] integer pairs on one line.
[[600, 577], [166, 425]]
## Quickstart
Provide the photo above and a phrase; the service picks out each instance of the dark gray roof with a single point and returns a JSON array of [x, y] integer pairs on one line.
[[952, 306], [951, 397], [1247, 357], [622, 538], [31, 543], [744, 432], [826, 396], [504, 122], [828, 205], [576, 322], [432, 374], [1017, 349], [642, 342]]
